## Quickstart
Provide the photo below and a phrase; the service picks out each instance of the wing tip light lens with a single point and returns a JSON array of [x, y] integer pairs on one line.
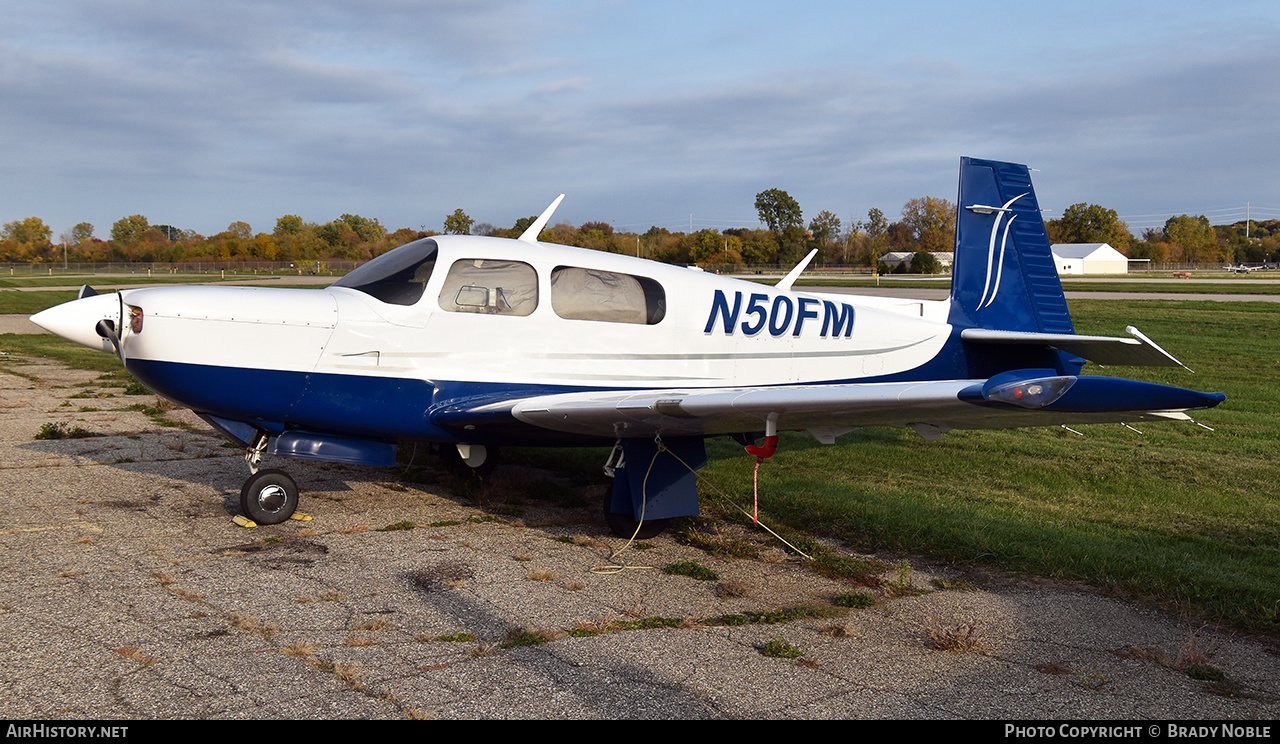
[[1036, 393]]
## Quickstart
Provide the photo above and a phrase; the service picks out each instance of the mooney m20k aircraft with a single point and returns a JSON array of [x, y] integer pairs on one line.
[[472, 343]]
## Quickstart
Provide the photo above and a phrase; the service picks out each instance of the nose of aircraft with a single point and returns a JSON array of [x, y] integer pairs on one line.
[[77, 320]]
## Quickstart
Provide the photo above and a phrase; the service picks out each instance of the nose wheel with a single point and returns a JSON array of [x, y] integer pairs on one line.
[[269, 497]]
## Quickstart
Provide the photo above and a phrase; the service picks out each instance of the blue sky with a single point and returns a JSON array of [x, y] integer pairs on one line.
[[644, 113]]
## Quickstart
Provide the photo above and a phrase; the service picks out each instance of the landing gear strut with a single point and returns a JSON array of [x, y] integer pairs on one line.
[[268, 496], [623, 524]]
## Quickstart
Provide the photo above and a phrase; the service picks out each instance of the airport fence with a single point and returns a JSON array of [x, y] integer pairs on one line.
[[322, 268], [337, 267]]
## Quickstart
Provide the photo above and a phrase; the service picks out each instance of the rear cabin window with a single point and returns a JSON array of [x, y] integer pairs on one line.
[[482, 285], [398, 276], [590, 294]]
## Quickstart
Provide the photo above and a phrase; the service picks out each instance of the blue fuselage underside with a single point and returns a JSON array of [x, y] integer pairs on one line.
[[390, 408]]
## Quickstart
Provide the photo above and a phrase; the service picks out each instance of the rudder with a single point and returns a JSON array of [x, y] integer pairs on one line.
[[1003, 273]]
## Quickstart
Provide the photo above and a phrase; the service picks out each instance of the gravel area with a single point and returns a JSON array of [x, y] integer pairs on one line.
[[127, 592]]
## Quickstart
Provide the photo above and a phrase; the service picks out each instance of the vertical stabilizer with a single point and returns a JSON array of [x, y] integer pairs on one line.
[[1003, 274]]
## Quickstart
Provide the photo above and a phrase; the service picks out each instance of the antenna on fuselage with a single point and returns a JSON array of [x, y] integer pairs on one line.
[[794, 274], [530, 235]]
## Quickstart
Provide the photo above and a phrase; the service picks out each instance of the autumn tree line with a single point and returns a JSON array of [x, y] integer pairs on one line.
[[925, 225], [1184, 239]]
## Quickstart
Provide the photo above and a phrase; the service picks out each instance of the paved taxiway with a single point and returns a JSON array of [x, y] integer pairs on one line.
[[127, 592], [926, 293]]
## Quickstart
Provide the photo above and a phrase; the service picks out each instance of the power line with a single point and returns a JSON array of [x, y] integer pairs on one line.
[[1215, 215], [683, 223]]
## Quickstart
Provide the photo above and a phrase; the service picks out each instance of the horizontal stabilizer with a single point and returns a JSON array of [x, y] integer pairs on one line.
[[1107, 351]]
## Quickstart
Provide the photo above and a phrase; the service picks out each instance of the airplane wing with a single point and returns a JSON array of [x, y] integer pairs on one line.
[[1024, 398]]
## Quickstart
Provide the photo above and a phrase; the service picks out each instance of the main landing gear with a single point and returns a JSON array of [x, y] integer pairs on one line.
[[268, 496], [623, 523]]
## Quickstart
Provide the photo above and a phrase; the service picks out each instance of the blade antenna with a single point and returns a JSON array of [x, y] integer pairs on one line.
[[530, 235], [794, 274]]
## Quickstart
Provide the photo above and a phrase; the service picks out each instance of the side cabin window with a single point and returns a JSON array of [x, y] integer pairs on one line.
[[398, 276], [590, 294], [482, 285]]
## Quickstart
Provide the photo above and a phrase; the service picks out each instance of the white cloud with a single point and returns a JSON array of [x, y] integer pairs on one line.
[[399, 110]]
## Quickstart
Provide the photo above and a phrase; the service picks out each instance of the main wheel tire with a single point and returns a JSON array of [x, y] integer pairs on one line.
[[624, 525], [269, 497]]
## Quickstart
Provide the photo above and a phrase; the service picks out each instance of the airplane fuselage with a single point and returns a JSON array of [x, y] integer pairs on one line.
[[478, 341], [342, 359]]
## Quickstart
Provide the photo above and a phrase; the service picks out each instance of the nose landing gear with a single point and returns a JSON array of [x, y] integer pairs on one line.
[[268, 496]]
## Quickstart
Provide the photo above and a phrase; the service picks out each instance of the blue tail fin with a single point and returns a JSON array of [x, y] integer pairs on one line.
[[1003, 274]]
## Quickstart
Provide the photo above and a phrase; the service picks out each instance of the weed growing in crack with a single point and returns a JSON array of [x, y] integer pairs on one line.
[[64, 430], [780, 649], [856, 600], [1091, 680], [961, 638], [299, 649], [692, 569], [526, 637]]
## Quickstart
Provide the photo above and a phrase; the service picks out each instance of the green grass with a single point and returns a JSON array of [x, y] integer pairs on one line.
[[30, 303], [63, 430], [856, 600], [692, 569], [33, 301], [97, 281], [65, 352], [780, 649], [1183, 516], [1224, 287]]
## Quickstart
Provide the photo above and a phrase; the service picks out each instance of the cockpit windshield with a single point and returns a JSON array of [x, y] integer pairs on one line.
[[398, 276]]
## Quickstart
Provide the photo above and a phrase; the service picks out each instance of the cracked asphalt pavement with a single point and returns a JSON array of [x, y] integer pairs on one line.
[[127, 592]]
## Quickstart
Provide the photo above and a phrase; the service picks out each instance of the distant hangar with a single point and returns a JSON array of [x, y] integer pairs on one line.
[[1088, 258]]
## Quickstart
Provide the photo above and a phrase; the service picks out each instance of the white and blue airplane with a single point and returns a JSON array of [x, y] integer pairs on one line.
[[474, 343]]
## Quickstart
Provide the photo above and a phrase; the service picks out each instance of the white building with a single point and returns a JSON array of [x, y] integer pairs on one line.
[[893, 258], [1088, 258]]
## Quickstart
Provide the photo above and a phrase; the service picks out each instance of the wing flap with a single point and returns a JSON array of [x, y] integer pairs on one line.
[[924, 406], [695, 412]]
